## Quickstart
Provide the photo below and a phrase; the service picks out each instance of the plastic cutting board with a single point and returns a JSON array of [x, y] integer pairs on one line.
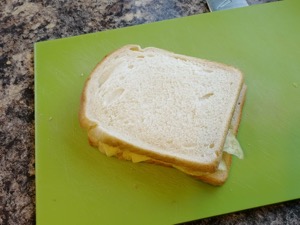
[[78, 185]]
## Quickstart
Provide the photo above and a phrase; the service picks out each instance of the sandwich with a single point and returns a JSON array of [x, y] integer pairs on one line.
[[152, 105]]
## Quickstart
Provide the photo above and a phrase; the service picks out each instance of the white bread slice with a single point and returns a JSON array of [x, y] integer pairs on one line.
[[168, 107]]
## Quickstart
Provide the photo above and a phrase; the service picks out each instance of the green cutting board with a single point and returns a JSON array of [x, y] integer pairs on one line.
[[78, 185]]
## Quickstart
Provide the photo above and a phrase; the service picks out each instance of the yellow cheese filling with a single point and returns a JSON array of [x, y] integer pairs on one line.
[[113, 151], [231, 146]]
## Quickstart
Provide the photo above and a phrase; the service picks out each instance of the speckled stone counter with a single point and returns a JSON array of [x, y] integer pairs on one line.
[[22, 23]]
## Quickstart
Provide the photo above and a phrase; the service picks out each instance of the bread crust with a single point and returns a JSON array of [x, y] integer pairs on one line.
[[97, 135]]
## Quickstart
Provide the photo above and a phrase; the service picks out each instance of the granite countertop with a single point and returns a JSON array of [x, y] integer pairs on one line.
[[25, 22]]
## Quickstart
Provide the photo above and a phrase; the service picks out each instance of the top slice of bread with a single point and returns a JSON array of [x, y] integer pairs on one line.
[[170, 107]]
